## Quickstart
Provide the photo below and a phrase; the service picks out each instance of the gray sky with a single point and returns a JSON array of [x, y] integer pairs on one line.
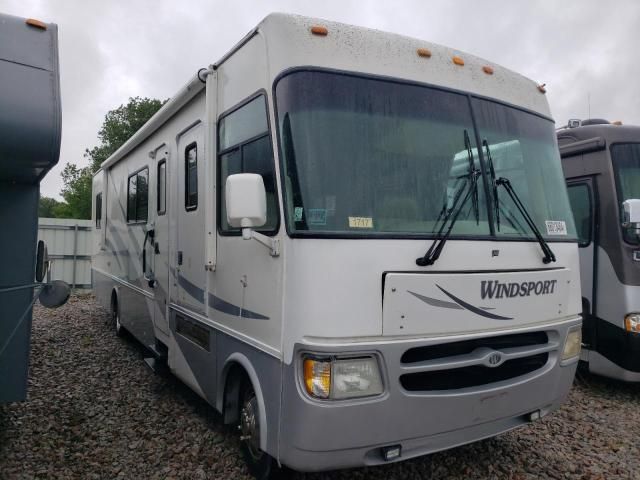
[[113, 50]]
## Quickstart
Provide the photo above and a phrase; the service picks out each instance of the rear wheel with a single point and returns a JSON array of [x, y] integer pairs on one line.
[[260, 464]]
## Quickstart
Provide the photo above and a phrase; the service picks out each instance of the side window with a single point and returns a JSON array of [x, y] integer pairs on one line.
[[161, 189], [138, 196], [580, 200], [99, 210], [244, 146], [191, 177]]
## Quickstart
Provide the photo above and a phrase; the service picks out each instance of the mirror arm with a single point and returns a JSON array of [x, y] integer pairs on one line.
[[272, 244]]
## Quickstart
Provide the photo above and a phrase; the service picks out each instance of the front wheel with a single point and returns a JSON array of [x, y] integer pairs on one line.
[[260, 464], [115, 317]]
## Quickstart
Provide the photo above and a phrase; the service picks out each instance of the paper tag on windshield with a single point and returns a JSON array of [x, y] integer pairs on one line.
[[556, 227], [317, 216], [360, 222]]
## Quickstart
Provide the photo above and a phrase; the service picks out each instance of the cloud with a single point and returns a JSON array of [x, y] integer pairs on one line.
[[110, 51]]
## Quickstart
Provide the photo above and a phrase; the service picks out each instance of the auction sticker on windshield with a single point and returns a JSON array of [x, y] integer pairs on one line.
[[556, 227], [360, 222]]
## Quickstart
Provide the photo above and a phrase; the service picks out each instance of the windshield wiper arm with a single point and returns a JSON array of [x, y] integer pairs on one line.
[[494, 185], [548, 253], [472, 169], [436, 247]]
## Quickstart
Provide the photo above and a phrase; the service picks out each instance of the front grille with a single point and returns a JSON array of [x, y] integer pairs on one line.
[[467, 363], [465, 377], [442, 350]]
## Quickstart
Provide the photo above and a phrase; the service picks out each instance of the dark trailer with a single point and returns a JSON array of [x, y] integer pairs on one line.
[[601, 163], [30, 118]]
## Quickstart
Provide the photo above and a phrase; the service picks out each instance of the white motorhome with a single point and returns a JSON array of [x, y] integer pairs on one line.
[[266, 232]]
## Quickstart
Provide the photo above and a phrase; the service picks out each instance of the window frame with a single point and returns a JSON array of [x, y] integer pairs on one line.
[[98, 217], [239, 146], [187, 206], [137, 221], [592, 213], [163, 210]]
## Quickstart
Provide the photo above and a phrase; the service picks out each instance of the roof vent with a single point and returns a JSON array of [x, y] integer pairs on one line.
[[595, 121]]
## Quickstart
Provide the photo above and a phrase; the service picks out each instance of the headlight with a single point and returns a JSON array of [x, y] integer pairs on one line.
[[572, 343], [632, 322], [342, 378]]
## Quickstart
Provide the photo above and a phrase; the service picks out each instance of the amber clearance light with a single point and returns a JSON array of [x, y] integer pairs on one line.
[[319, 30], [36, 23]]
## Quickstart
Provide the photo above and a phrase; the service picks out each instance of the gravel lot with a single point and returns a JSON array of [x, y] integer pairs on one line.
[[95, 410]]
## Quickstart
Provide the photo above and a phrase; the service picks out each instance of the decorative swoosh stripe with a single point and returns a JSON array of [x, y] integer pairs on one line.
[[434, 302], [471, 308], [230, 309]]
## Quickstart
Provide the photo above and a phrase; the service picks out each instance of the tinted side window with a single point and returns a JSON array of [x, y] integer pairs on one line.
[[580, 200], [191, 177], [161, 206], [131, 198], [99, 210], [138, 196], [245, 147]]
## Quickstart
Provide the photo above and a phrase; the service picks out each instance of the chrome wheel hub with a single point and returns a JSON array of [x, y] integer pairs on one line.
[[250, 427]]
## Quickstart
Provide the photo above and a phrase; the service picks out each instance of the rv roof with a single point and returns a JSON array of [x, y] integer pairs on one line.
[[290, 43], [608, 132]]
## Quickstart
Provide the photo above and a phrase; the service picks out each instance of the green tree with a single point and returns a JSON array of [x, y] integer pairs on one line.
[[47, 207], [119, 125]]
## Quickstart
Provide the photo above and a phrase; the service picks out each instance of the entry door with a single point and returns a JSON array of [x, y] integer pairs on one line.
[[159, 244], [190, 251], [582, 199]]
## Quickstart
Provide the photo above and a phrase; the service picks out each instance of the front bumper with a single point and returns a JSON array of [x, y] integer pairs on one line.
[[323, 435]]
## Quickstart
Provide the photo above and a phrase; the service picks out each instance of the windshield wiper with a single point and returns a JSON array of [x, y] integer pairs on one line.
[[494, 185], [548, 253], [451, 216]]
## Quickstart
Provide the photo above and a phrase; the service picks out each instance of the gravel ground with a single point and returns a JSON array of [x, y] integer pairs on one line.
[[95, 410]]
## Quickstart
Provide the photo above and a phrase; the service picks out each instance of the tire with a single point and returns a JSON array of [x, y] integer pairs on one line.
[[259, 463], [115, 317]]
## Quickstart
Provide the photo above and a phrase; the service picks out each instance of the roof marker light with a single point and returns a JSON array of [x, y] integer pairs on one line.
[[36, 23], [541, 88], [319, 30], [458, 61], [617, 122], [424, 52], [488, 70]]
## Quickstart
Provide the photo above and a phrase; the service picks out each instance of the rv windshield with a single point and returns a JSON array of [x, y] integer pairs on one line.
[[626, 165], [363, 156]]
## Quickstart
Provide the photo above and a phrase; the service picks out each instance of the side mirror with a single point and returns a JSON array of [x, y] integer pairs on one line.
[[631, 214], [246, 200], [42, 261], [54, 294]]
